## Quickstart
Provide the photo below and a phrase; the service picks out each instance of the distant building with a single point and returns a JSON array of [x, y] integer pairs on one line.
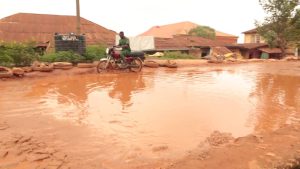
[[41, 28], [194, 45], [183, 28], [252, 37]]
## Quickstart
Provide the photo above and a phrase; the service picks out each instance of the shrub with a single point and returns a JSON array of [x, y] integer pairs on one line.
[[177, 55], [20, 54], [68, 56], [94, 52], [49, 57], [62, 56], [5, 60]]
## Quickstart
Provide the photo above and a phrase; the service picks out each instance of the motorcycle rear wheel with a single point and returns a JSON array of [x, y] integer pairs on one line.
[[136, 65]]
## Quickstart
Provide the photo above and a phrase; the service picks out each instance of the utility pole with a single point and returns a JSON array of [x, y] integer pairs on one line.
[[78, 16]]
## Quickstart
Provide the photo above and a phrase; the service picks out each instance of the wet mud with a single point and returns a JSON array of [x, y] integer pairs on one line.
[[160, 118]]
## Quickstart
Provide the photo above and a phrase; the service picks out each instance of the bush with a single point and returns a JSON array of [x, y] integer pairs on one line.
[[5, 60], [95, 52], [62, 56], [68, 56], [18, 54], [49, 57], [177, 55]]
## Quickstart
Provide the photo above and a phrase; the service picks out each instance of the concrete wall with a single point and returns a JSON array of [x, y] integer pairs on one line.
[[252, 37], [195, 52]]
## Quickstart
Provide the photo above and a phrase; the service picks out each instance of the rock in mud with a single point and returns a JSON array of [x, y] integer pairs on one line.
[[217, 138], [150, 63], [46, 67], [171, 64], [27, 69], [251, 138], [18, 71], [5, 72]]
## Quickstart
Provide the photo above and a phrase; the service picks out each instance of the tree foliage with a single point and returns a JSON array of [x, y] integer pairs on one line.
[[203, 31], [281, 26]]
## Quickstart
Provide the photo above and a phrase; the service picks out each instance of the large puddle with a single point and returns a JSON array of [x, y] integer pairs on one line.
[[157, 113]]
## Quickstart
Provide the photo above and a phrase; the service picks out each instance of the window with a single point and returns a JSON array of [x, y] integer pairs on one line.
[[257, 38]]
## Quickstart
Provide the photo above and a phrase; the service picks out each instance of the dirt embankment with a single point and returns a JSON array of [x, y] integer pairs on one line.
[[278, 149]]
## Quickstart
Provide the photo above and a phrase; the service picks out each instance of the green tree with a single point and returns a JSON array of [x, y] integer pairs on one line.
[[295, 32], [280, 26], [203, 31]]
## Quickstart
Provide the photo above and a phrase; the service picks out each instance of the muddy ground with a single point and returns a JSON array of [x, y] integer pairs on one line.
[[24, 149]]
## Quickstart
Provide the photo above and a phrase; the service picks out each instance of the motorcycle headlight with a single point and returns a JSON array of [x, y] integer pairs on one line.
[[107, 50]]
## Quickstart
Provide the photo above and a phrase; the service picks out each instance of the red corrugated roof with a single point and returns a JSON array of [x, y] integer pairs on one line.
[[41, 28], [277, 50], [169, 44], [270, 50], [182, 28], [196, 41], [185, 42], [247, 45]]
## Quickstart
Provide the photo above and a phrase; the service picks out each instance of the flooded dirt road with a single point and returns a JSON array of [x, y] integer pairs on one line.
[[128, 120]]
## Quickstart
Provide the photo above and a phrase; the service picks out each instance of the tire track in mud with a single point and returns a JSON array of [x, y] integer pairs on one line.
[[27, 152]]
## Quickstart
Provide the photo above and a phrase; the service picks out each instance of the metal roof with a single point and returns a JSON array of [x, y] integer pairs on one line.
[[42, 27]]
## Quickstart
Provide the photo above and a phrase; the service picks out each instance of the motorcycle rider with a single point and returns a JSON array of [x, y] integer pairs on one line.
[[124, 44]]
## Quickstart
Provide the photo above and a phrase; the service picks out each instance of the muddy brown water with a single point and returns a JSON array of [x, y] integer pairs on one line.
[[112, 120]]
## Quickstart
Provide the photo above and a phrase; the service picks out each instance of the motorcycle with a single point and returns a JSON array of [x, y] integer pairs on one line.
[[113, 60]]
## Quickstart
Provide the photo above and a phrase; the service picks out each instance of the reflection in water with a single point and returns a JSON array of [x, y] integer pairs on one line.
[[69, 96], [278, 100], [123, 86]]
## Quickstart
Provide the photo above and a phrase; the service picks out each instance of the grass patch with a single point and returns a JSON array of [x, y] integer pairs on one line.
[[176, 55]]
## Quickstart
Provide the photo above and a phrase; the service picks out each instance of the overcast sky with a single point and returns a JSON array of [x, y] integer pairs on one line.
[[137, 16]]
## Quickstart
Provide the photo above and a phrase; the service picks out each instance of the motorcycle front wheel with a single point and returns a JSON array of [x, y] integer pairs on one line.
[[102, 66], [136, 65]]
